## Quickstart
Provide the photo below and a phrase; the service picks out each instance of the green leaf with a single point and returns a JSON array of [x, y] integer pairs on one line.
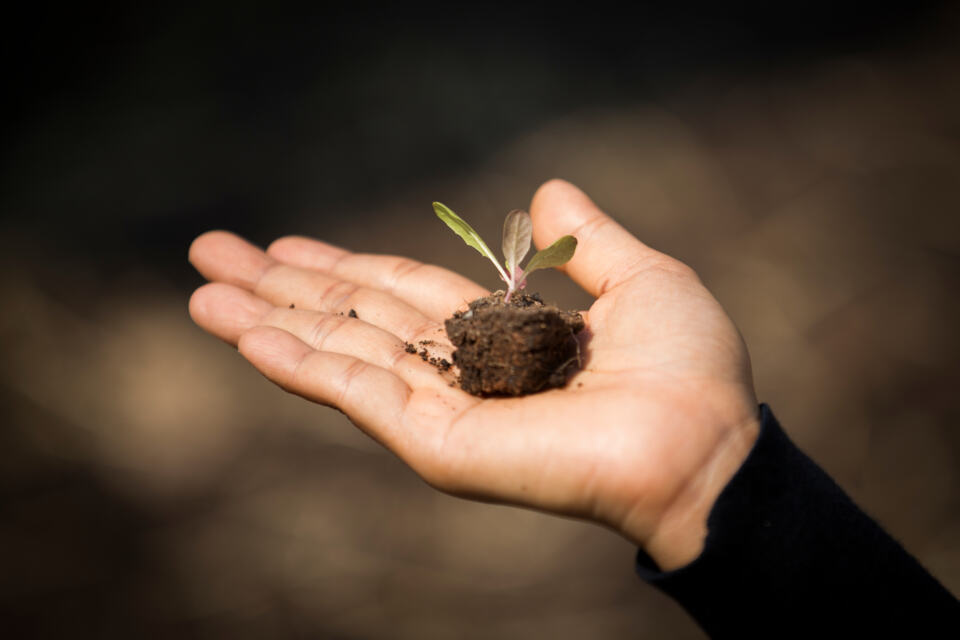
[[465, 231], [553, 256], [517, 232]]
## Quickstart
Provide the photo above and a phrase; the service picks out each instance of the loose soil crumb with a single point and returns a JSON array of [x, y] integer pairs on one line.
[[514, 349], [352, 314], [440, 363], [291, 305]]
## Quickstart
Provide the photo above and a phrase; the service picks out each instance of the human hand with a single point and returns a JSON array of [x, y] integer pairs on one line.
[[643, 439]]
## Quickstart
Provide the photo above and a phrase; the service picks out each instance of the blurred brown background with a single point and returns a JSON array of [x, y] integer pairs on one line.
[[805, 162]]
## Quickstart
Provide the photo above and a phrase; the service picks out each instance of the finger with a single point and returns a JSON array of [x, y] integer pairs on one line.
[[334, 333], [222, 256], [227, 258], [607, 254], [373, 398], [435, 291], [227, 312], [218, 308], [284, 285]]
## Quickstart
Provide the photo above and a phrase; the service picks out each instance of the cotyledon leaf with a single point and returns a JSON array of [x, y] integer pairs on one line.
[[465, 231], [517, 232], [553, 256]]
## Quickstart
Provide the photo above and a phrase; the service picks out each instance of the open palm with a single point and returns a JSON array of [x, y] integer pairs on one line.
[[642, 439]]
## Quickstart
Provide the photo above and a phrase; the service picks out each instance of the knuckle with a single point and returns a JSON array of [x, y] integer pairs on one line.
[[657, 263], [589, 228], [397, 357], [325, 326], [674, 266], [291, 383], [337, 293], [400, 270], [350, 374]]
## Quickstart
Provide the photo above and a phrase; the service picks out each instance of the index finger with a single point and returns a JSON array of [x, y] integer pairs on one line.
[[434, 291]]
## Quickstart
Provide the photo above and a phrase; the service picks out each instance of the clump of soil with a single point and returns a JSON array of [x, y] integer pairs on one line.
[[515, 348], [442, 364]]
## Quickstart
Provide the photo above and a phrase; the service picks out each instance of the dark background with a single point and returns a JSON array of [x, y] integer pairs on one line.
[[804, 158]]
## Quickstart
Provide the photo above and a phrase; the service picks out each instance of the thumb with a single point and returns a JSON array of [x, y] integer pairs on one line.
[[606, 255]]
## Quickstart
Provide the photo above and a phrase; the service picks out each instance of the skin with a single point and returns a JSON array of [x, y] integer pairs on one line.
[[642, 440]]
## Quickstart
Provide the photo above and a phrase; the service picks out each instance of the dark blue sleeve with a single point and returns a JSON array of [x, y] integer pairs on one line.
[[788, 554]]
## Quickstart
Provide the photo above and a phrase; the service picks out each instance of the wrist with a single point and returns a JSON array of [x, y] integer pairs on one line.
[[679, 535]]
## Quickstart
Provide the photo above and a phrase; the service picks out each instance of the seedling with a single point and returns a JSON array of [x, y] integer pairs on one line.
[[517, 232]]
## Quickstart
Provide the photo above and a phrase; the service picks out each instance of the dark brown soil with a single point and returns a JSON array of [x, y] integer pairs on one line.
[[442, 364], [514, 349]]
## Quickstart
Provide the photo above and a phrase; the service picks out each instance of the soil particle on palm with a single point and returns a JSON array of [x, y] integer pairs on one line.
[[515, 348], [353, 314], [442, 364]]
